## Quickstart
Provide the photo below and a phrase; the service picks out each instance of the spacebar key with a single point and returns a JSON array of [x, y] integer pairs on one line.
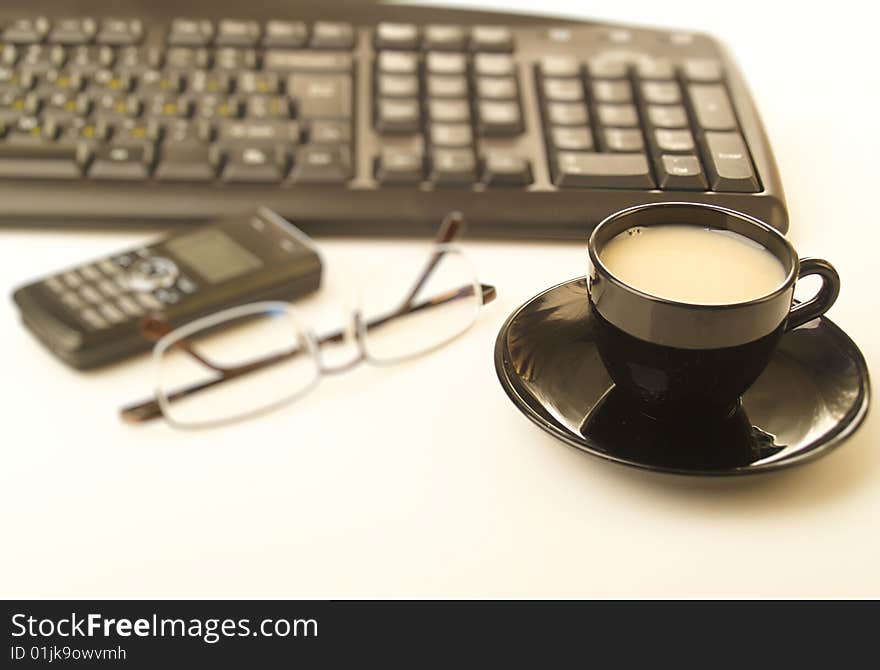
[[39, 161], [585, 170]]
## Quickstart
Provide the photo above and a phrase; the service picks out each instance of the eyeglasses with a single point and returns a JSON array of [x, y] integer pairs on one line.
[[254, 358]]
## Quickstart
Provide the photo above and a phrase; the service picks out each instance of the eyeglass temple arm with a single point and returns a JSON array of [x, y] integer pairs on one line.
[[450, 228], [150, 409]]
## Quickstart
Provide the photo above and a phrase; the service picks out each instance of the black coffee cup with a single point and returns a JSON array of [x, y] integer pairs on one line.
[[677, 359]]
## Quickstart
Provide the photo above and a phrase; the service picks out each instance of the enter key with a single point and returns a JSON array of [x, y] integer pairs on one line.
[[728, 163]]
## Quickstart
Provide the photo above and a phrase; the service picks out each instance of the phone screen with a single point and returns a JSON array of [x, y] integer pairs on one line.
[[213, 255]]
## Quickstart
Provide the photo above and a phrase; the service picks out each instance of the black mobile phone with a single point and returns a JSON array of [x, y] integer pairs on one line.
[[91, 314]]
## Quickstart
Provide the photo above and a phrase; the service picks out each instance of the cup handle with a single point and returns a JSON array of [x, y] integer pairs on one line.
[[822, 301]]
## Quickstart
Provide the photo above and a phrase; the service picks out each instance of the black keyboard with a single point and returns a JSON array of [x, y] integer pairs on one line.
[[366, 119]]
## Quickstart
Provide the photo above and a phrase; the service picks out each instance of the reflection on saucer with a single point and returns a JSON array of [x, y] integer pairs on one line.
[[616, 426]]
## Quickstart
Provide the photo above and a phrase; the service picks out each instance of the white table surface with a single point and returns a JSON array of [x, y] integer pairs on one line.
[[423, 480]]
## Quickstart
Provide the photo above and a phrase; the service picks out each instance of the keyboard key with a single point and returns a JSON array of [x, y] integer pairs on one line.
[[322, 165], [285, 34], [494, 65], [234, 33], [185, 58], [263, 83], [674, 141], [26, 31], [567, 113], [451, 134], [40, 161], [559, 66], [186, 161], [251, 132], [499, 118], [712, 107], [655, 68], [399, 166], [319, 96], [447, 87], [398, 116], [563, 90], [622, 116], [444, 62], [307, 61], [205, 81], [398, 62], [502, 168], [608, 67], [449, 110], [398, 86], [587, 170], [667, 116], [702, 70], [453, 167], [254, 163], [153, 82], [262, 107], [130, 162], [611, 90], [190, 33], [170, 106], [491, 38], [446, 38], [229, 58], [404, 36], [120, 32], [332, 35], [497, 88], [661, 92], [572, 138], [623, 139], [728, 163], [329, 132], [680, 173], [73, 31]]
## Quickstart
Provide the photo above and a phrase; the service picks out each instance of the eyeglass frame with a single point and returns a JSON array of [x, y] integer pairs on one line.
[[158, 330]]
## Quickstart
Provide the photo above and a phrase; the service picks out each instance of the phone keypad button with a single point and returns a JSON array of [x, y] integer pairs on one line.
[[111, 313], [54, 284], [90, 294], [129, 306], [148, 301], [72, 279], [124, 261], [72, 300], [109, 288], [109, 268], [91, 317], [187, 285], [90, 273], [167, 296]]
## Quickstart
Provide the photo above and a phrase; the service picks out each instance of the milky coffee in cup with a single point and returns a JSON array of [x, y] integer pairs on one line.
[[693, 264]]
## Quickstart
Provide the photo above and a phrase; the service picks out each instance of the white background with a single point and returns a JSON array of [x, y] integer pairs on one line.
[[423, 480]]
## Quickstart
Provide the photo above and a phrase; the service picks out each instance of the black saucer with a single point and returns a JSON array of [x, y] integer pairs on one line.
[[812, 396]]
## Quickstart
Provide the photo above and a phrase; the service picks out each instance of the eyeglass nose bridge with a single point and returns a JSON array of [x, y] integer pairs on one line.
[[353, 332]]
